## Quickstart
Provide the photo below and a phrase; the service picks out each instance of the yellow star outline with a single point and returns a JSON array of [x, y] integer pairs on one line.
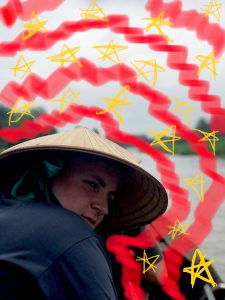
[[148, 63], [185, 111], [109, 50], [66, 55], [178, 229], [165, 133], [23, 110], [68, 96], [33, 27], [93, 12], [194, 182], [117, 101], [146, 260], [22, 66], [212, 9], [209, 137], [209, 62], [158, 22], [196, 269]]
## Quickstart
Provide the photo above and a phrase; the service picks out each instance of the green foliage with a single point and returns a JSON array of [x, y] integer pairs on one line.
[[203, 125], [4, 122], [220, 146], [182, 147]]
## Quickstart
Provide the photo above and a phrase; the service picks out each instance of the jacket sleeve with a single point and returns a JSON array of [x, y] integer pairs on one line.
[[81, 272]]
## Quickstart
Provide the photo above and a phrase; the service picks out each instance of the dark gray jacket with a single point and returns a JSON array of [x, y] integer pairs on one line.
[[48, 252]]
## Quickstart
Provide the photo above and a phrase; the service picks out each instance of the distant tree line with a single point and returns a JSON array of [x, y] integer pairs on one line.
[[4, 122], [182, 146]]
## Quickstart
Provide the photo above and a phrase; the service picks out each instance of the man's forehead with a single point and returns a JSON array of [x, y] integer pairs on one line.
[[95, 164], [90, 163], [98, 170]]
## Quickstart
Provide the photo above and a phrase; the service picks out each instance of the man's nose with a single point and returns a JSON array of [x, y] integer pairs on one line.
[[101, 204]]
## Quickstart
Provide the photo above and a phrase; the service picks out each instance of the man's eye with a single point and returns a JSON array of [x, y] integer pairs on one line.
[[94, 185]]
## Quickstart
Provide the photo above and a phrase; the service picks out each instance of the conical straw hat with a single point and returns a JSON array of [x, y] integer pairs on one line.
[[143, 198]]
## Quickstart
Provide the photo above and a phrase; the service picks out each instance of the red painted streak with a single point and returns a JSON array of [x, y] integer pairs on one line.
[[14, 9]]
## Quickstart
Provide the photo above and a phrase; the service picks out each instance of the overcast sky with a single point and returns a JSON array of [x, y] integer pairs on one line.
[[136, 117]]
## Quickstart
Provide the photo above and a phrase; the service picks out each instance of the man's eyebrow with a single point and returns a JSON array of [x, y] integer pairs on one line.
[[99, 179]]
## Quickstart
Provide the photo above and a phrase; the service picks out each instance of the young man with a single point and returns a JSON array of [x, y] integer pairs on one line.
[[62, 187]]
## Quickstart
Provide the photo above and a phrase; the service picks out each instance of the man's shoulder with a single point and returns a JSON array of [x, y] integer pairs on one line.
[[37, 233], [54, 220], [44, 225]]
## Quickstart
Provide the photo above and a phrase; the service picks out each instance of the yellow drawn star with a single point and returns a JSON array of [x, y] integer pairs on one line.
[[67, 55], [195, 182], [169, 138], [93, 12], [22, 110], [209, 137], [184, 108], [146, 260], [178, 229], [158, 22], [196, 269], [22, 66], [212, 9], [209, 62], [67, 98], [119, 100], [33, 27], [154, 69], [110, 50]]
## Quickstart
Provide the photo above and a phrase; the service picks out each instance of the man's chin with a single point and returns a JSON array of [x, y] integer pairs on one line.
[[90, 221]]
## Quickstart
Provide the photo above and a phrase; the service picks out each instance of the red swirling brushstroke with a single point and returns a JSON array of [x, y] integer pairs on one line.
[[213, 33], [14, 9], [198, 230], [117, 23], [34, 85], [75, 114], [198, 90], [99, 76], [158, 107], [81, 112], [45, 40]]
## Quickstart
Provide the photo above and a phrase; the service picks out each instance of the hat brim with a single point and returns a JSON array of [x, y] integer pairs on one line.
[[143, 198]]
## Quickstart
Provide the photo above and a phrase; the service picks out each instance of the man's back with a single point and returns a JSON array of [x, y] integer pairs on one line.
[[48, 252]]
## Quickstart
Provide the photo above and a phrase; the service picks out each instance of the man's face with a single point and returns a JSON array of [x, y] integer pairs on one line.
[[86, 189]]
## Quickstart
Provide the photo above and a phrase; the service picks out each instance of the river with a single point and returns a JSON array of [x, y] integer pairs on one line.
[[186, 167]]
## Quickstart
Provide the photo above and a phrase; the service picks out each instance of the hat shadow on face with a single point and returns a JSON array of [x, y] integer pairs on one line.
[[140, 198]]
